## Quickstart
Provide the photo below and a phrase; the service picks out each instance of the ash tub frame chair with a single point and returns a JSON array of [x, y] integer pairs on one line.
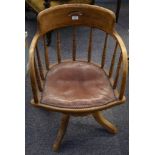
[[75, 15]]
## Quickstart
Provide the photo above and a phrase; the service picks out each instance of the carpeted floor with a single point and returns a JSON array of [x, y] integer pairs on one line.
[[84, 136]]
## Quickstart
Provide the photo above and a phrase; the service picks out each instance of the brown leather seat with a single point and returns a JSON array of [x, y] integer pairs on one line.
[[77, 85]]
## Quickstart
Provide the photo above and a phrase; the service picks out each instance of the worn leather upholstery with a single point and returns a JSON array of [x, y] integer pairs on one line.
[[77, 84]]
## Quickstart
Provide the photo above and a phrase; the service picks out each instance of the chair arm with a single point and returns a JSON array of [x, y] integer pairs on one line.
[[32, 68], [125, 63]]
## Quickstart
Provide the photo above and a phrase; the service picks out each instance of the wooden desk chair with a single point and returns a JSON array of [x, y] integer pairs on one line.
[[77, 87]]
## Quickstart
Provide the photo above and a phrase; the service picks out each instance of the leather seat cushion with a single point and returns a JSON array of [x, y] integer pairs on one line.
[[77, 84]]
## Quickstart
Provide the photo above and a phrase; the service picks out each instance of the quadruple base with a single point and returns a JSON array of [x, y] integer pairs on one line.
[[64, 123]]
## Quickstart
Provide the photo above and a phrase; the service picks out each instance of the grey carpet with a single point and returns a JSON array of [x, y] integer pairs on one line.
[[84, 136]]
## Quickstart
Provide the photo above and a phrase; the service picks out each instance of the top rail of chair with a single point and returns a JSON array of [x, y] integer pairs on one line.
[[76, 15]]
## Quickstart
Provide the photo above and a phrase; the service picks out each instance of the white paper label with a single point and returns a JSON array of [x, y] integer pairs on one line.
[[75, 17]]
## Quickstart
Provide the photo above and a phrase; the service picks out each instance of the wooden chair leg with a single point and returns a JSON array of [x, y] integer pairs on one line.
[[118, 9], [104, 122], [61, 132]]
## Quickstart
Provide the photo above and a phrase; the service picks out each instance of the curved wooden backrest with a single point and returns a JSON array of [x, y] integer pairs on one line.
[[79, 14]]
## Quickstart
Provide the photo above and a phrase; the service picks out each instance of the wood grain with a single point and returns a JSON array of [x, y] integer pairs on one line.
[[61, 132], [32, 69]]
